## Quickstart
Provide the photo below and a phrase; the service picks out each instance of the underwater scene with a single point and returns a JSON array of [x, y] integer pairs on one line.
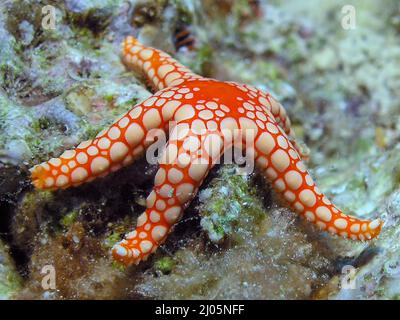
[[199, 150]]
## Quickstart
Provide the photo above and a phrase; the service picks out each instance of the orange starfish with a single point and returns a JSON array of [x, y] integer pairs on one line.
[[208, 116]]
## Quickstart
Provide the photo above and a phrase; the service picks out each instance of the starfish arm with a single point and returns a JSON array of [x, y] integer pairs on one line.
[[160, 69], [117, 146], [281, 165], [281, 117], [283, 120], [184, 164], [273, 106]]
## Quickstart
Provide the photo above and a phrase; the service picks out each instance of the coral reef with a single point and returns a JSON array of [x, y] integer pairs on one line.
[[258, 249], [341, 89]]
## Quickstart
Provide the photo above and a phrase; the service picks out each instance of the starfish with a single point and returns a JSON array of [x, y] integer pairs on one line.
[[206, 116]]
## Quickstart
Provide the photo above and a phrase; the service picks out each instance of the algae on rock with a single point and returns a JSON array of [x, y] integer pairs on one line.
[[10, 280], [266, 251], [58, 87]]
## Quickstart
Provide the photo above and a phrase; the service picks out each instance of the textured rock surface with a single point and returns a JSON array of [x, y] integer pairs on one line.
[[258, 249], [340, 87]]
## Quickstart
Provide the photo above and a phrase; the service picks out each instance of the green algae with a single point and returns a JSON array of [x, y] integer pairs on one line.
[[201, 63], [164, 265], [112, 239], [10, 280], [70, 218], [219, 216]]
